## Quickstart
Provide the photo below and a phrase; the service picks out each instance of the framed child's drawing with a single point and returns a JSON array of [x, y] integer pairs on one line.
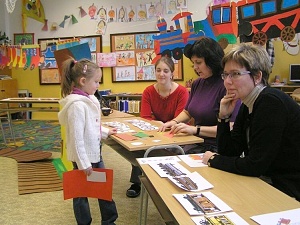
[[49, 68], [135, 57]]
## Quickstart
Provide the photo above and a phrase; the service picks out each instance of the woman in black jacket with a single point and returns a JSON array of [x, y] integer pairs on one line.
[[265, 139]]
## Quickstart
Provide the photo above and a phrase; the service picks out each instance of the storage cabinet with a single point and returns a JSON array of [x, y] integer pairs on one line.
[[8, 89]]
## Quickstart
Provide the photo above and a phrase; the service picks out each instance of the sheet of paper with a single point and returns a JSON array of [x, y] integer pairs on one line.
[[166, 169], [193, 160], [283, 217], [75, 185], [191, 182], [204, 203], [158, 159], [97, 177], [226, 218]]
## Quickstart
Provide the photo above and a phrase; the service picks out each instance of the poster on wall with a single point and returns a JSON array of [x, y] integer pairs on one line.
[[134, 57], [49, 72]]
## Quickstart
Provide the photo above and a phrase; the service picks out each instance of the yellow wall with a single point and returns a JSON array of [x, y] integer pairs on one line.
[[282, 61], [29, 79]]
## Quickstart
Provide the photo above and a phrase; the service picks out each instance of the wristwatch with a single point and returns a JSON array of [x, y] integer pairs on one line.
[[210, 159], [226, 120], [198, 130]]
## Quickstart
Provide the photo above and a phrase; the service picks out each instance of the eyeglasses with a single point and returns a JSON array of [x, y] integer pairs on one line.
[[234, 75]]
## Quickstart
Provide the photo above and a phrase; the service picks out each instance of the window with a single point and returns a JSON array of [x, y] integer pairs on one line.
[[221, 15], [248, 11], [268, 7], [289, 3]]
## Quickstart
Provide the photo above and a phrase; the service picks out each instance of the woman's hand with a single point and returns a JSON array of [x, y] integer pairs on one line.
[[227, 105], [88, 171], [166, 125], [112, 131], [206, 156], [182, 128]]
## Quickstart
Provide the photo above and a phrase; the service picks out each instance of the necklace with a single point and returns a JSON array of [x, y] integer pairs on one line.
[[165, 97]]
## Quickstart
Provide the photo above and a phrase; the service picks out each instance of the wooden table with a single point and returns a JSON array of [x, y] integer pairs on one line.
[[130, 151], [247, 196], [22, 101], [8, 107], [116, 114]]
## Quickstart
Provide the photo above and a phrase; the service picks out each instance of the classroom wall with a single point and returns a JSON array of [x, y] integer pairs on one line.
[[55, 10]]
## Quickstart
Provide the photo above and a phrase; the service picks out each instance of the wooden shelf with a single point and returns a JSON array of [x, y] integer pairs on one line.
[[115, 99], [286, 88]]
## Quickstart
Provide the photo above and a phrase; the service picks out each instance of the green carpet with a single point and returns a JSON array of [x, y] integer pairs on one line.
[[42, 135]]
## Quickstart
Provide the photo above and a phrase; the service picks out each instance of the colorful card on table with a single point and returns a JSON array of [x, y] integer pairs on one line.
[[126, 137], [169, 135], [76, 184], [141, 135]]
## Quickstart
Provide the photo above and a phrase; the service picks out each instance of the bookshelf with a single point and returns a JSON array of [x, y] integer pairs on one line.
[[125, 102]]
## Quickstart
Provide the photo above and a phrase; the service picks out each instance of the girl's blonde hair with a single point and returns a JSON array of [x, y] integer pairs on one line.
[[73, 70]]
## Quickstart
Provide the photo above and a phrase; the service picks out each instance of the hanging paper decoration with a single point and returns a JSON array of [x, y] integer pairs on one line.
[[82, 12], [131, 14], [54, 26], [102, 14], [31, 56], [62, 24], [101, 27], [32, 9], [92, 12], [122, 15], [10, 5], [171, 7], [45, 27], [4, 56], [74, 20], [141, 12], [112, 15], [181, 4]]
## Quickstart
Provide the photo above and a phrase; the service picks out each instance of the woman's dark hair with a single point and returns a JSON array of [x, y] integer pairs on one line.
[[210, 50]]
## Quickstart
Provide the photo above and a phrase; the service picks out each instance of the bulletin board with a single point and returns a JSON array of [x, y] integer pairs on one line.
[[49, 73], [134, 54]]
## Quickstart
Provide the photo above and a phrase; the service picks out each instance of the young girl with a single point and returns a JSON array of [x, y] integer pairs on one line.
[[80, 114]]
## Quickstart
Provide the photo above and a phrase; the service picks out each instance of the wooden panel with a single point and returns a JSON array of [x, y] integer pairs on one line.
[[8, 89]]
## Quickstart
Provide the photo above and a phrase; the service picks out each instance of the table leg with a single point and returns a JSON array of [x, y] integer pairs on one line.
[[3, 134], [12, 133]]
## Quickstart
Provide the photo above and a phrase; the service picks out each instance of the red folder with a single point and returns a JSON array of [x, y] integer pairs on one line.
[[75, 185]]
